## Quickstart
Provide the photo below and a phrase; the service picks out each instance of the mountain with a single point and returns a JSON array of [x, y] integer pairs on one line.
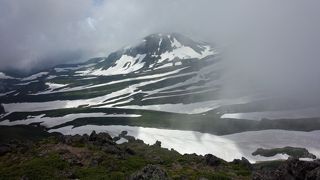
[[156, 51], [166, 86], [162, 69]]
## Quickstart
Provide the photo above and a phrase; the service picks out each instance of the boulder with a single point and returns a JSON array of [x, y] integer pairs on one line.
[[129, 138], [123, 133], [244, 162], [293, 169], [116, 138], [150, 172], [4, 149], [93, 136], [157, 144], [104, 136], [130, 151], [212, 160], [101, 138]]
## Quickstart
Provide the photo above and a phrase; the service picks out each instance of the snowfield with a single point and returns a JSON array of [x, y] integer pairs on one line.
[[55, 121], [227, 147], [35, 76], [184, 52], [126, 64], [288, 114], [192, 108]]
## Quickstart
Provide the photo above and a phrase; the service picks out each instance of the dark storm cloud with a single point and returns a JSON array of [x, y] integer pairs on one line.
[[265, 43]]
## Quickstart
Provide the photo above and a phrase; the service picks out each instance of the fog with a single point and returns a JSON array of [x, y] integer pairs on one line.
[[267, 44]]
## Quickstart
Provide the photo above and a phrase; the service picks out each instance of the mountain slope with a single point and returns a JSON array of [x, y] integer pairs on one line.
[[161, 69]]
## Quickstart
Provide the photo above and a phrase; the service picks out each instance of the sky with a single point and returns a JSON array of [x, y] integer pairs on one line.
[[267, 42]]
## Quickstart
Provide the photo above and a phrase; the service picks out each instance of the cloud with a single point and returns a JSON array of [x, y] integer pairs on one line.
[[266, 43]]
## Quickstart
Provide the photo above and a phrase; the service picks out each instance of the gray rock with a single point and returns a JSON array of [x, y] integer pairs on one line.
[[93, 136], [130, 151], [111, 149], [244, 162], [292, 169], [150, 172], [314, 174], [212, 160], [101, 138], [129, 138], [157, 144], [123, 133], [116, 138]]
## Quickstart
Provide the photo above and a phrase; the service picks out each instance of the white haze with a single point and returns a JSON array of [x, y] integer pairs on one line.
[[266, 44]]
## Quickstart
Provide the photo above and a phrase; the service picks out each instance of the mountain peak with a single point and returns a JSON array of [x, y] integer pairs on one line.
[[165, 35], [155, 51], [170, 41]]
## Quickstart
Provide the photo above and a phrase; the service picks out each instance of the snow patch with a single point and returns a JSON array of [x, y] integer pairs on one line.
[[272, 115], [4, 76], [192, 108], [227, 147], [121, 141], [126, 64], [35, 76], [50, 122]]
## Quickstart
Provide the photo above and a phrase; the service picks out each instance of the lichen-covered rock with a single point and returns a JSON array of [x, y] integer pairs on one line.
[[314, 174], [292, 169], [157, 144], [212, 160], [129, 138], [244, 162], [101, 138], [150, 172]]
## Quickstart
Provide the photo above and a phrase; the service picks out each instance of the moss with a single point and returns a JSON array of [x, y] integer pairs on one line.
[[92, 173], [36, 168], [217, 176], [133, 163]]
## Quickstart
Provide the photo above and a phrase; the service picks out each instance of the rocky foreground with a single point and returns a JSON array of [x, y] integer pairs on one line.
[[31, 153]]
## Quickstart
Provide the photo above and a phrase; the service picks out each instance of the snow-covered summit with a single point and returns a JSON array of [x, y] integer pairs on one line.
[[154, 52]]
